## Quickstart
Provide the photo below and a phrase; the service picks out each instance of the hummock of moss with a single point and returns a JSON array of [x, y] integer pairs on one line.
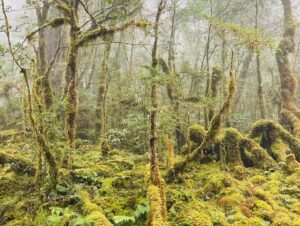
[[196, 133]]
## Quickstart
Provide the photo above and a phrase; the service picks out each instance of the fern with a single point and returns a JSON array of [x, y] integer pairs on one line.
[[137, 218]]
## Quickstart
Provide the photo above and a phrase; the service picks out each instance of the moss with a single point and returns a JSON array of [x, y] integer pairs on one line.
[[296, 223], [231, 143], [155, 215], [216, 182], [263, 210], [273, 184], [258, 179], [18, 164], [282, 219], [196, 133], [296, 208], [239, 172], [105, 30], [197, 218], [265, 196], [249, 222], [93, 211], [10, 136], [230, 201]]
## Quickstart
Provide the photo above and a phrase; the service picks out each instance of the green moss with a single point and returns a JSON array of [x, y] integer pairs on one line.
[[155, 215], [11, 136], [296, 208], [195, 217], [216, 182], [282, 219], [230, 201], [93, 211], [239, 172], [249, 222], [18, 163], [231, 141], [196, 133], [258, 179], [263, 210]]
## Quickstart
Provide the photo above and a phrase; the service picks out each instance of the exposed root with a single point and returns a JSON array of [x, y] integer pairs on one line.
[[280, 144]]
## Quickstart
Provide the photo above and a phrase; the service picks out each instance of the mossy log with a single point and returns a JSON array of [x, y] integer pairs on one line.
[[10, 135], [155, 214], [18, 164], [93, 211]]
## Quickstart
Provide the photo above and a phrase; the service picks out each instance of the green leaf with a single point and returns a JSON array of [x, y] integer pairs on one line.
[[123, 219]]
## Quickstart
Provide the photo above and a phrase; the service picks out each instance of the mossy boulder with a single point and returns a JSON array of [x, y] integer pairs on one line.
[[196, 133]]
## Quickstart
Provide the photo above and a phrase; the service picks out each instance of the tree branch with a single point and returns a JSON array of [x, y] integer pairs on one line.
[[104, 30]]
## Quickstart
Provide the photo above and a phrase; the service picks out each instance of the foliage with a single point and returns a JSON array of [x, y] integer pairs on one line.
[[137, 218]]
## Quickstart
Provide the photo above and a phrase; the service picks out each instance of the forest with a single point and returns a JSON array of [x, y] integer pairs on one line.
[[149, 113]]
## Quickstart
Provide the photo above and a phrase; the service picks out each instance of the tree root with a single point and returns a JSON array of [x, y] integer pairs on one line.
[[280, 144]]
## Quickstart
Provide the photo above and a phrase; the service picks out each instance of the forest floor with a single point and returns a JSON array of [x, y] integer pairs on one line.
[[204, 195]]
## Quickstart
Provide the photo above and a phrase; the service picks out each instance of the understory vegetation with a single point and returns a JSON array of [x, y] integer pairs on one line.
[[149, 113]]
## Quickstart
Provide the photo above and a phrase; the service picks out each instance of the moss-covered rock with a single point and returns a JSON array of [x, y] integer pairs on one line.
[[196, 133]]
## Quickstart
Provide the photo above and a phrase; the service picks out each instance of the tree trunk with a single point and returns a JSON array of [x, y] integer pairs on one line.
[[100, 125], [70, 87], [290, 114], [260, 93], [156, 191]]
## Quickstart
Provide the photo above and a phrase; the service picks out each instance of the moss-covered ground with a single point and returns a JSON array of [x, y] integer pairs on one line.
[[115, 187]]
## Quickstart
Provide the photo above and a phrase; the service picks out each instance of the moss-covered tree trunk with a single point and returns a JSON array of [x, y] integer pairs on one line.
[[216, 77], [70, 85], [290, 114], [260, 93], [156, 191], [40, 138], [42, 16], [100, 125]]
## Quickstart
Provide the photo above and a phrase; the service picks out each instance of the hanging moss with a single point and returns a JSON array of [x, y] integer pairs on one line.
[[104, 30], [55, 22]]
